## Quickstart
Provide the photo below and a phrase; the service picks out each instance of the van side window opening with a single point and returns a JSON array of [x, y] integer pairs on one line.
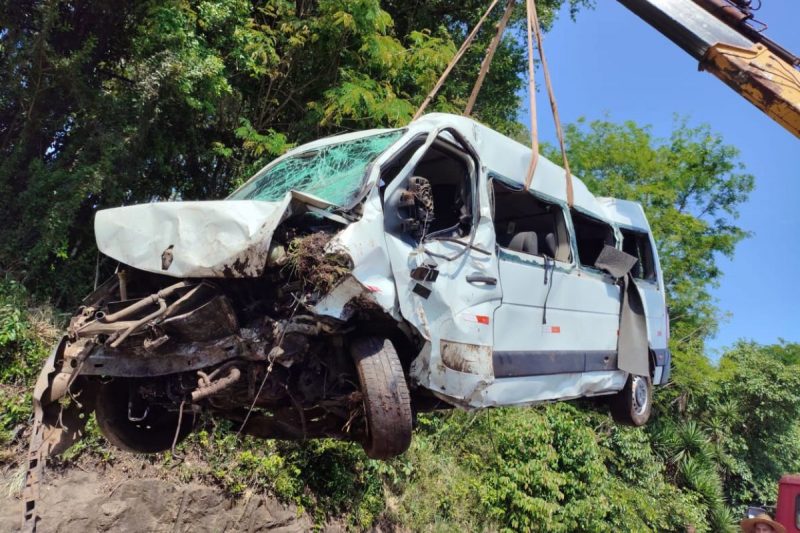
[[438, 197], [445, 169], [391, 168], [526, 224], [591, 235], [638, 245]]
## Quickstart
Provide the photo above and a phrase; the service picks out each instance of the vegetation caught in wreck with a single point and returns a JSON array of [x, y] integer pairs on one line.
[[721, 437], [107, 105]]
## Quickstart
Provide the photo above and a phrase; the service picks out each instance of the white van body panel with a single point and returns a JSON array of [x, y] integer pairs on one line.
[[630, 215], [219, 238], [453, 328], [469, 329]]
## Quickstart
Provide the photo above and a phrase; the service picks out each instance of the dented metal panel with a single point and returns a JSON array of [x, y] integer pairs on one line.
[[323, 253], [223, 238], [450, 308], [469, 358], [365, 242], [336, 304], [535, 389]]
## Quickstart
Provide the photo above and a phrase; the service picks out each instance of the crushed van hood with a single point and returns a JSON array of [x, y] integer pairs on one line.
[[225, 238]]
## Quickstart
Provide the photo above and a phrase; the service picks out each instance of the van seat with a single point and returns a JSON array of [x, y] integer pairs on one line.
[[526, 242]]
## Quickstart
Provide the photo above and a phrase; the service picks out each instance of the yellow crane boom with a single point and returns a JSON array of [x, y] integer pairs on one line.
[[718, 34]]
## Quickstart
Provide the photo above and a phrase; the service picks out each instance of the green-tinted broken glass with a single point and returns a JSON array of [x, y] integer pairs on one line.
[[332, 172]]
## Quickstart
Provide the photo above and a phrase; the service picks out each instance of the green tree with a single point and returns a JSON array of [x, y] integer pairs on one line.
[[757, 404], [691, 186], [106, 103]]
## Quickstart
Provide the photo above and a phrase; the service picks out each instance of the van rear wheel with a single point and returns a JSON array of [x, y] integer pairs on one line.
[[387, 403], [632, 405]]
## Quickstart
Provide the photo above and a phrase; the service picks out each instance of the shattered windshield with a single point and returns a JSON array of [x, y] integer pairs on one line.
[[332, 172]]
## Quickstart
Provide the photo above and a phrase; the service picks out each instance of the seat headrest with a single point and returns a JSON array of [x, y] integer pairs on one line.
[[526, 242]]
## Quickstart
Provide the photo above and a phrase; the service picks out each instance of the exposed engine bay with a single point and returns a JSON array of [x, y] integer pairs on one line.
[[275, 309], [155, 353]]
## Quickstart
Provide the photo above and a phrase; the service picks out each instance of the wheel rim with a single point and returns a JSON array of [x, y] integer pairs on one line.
[[639, 392]]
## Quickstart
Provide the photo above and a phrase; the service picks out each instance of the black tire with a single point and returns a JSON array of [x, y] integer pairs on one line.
[[387, 403], [632, 405], [155, 433]]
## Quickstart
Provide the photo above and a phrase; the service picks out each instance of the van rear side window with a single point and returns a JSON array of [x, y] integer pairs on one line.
[[591, 235], [637, 244], [530, 225]]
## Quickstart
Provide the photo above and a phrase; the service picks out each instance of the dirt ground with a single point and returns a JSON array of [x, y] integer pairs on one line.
[[132, 497]]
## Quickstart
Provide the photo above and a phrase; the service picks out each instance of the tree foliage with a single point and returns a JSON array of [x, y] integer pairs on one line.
[[690, 185], [106, 103]]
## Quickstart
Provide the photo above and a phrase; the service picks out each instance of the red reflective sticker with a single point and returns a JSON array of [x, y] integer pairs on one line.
[[482, 319], [555, 329]]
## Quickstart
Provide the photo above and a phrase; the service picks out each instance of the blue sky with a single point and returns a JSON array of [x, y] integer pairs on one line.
[[609, 62]]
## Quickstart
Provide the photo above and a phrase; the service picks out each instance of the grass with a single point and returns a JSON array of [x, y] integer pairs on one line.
[[319, 269], [558, 467]]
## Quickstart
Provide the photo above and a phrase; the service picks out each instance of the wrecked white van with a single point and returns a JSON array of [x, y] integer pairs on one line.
[[355, 281]]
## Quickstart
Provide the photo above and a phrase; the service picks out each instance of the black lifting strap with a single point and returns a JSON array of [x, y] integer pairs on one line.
[[548, 263]]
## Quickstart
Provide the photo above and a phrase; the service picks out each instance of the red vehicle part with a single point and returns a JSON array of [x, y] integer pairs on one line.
[[787, 511]]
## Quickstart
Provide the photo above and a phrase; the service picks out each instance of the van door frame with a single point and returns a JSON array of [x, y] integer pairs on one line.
[[549, 348], [660, 358], [595, 274], [451, 313]]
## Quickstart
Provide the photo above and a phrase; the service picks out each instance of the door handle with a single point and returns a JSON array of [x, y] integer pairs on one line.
[[480, 278]]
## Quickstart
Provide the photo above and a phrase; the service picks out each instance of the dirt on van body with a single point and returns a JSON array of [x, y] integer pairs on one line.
[[134, 495]]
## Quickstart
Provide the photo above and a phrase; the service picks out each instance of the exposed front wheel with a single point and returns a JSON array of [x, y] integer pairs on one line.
[[135, 426], [632, 405], [387, 403]]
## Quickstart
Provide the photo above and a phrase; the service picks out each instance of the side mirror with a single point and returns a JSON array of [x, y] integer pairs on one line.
[[615, 262]]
